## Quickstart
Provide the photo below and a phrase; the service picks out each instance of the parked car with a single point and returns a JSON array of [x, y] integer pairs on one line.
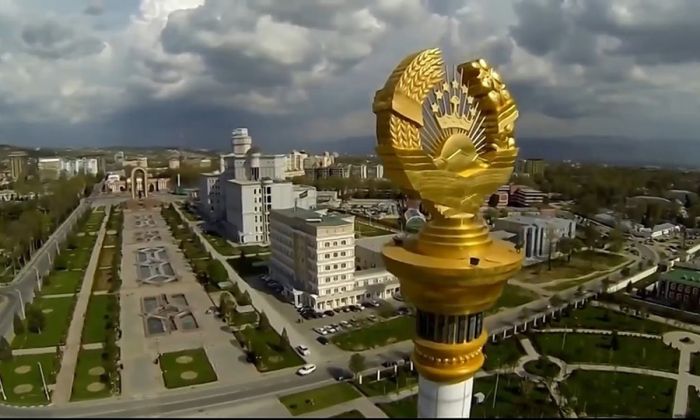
[[306, 369], [329, 313], [387, 363], [303, 350], [355, 308], [344, 376], [322, 340], [346, 309]]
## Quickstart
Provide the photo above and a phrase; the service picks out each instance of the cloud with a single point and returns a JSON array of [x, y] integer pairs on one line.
[[297, 72]]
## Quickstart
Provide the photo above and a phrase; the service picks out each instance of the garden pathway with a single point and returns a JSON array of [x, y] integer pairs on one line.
[[64, 379]]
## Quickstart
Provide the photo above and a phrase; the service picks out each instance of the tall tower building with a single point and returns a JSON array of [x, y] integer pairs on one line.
[[445, 135], [241, 142], [18, 164]]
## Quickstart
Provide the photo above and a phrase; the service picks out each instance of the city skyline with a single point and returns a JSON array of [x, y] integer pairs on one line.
[[183, 73]]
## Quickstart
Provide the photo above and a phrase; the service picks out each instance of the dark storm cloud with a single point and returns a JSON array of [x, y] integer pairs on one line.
[[541, 26], [94, 8], [50, 39]]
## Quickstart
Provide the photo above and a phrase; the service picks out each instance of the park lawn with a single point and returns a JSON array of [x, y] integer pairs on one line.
[[516, 397], [595, 348], [103, 280], [405, 408], [97, 316], [352, 414], [377, 335], [693, 409], [513, 296], [62, 281], [251, 250], [568, 284], [542, 367], [582, 263], [58, 313], [87, 360], [273, 355], [388, 382], [364, 229], [94, 221], [502, 353], [78, 259], [85, 241], [106, 256], [319, 398], [249, 266], [110, 240], [595, 317], [240, 319], [11, 378], [624, 394], [221, 245], [196, 361]]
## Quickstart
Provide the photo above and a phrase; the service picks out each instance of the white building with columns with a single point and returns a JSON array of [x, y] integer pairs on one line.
[[533, 233], [313, 258]]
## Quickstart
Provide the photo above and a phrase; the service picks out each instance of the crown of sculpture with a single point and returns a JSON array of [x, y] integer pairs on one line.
[[445, 134]]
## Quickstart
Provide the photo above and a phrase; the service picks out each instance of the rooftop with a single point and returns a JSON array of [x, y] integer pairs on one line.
[[683, 275], [374, 243], [311, 217]]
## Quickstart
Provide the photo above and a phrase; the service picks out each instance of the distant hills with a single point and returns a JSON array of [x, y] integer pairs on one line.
[[585, 149]]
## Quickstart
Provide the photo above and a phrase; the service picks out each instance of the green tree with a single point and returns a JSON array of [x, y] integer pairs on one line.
[[5, 350], [592, 235], [18, 325], [614, 341], [35, 319], [566, 246], [357, 363], [263, 322], [616, 240], [216, 271], [284, 338]]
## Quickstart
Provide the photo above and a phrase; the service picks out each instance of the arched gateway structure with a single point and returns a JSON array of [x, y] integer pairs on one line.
[[139, 183]]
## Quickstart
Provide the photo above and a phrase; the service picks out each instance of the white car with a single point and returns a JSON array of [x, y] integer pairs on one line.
[[303, 350], [306, 369]]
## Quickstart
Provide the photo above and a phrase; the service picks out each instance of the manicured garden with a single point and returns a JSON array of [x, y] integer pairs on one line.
[[249, 265], [513, 296], [62, 282], [319, 398], [46, 323], [542, 367], [21, 377], [405, 378], [608, 349], [405, 408], [220, 244], [502, 353], [607, 394], [101, 317], [185, 368], [364, 229], [91, 378], [582, 263], [267, 349], [377, 335], [595, 317]]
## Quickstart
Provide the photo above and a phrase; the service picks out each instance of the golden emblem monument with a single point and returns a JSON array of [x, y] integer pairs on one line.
[[445, 136]]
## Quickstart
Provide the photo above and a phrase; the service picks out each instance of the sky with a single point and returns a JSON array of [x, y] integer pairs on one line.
[[302, 73]]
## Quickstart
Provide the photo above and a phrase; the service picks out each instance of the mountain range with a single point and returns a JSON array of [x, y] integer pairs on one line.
[[586, 149]]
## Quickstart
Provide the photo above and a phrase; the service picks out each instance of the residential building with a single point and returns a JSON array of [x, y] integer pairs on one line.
[[313, 258], [531, 167], [295, 163], [375, 171], [319, 161], [533, 234], [50, 167], [660, 230], [679, 287], [210, 203], [18, 164], [523, 196]]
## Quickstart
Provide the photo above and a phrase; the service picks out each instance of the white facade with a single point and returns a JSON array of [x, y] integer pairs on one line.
[[313, 257], [248, 204], [533, 233], [295, 163], [210, 202], [174, 163], [444, 400]]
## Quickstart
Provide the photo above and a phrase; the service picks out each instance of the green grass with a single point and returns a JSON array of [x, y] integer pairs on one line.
[[542, 367], [594, 317], [267, 345], [55, 326], [241, 319], [582, 263], [94, 221], [319, 398], [78, 259], [97, 316], [89, 359], [103, 280], [376, 335], [502, 353], [513, 296], [250, 250], [388, 384], [11, 379], [594, 348], [110, 240], [106, 256], [624, 394], [172, 370], [60, 282], [364, 229], [516, 397], [221, 245], [249, 266], [352, 414]]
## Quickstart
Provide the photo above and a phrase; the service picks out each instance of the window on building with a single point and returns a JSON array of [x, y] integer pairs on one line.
[[335, 243], [328, 267], [335, 254], [342, 242], [335, 266]]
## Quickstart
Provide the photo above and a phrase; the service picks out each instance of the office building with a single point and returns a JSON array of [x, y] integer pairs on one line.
[[533, 234], [502, 197], [313, 258], [238, 198], [679, 287], [523, 196], [295, 163], [531, 167], [50, 167], [18, 164]]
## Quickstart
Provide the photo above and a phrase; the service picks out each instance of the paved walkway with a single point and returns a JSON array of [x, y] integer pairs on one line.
[[61, 295], [64, 379], [601, 332]]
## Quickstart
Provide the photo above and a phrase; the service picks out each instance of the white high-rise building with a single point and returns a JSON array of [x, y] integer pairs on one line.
[[313, 256]]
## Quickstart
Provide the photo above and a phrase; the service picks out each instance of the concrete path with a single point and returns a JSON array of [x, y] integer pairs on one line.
[[36, 350], [601, 332], [622, 369], [64, 379], [61, 295]]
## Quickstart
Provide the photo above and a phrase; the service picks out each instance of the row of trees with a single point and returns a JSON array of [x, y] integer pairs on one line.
[[26, 225], [352, 187]]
